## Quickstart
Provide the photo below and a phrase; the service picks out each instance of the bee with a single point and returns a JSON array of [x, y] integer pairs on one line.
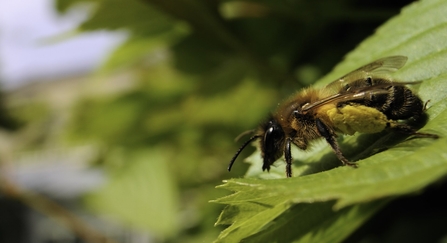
[[366, 100]]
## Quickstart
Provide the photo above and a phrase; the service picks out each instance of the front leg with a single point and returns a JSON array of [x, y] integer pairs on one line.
[[330, 138], [288, 157]]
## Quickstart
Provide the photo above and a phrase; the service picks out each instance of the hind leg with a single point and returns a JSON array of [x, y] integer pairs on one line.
[[409, 130]]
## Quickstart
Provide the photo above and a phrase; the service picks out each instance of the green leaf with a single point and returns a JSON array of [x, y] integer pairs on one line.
[[144, 186], [302, 220], [140, 18], [64, 5], [341, 199]]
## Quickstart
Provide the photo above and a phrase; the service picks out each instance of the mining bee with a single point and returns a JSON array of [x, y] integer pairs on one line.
[[365, 100]]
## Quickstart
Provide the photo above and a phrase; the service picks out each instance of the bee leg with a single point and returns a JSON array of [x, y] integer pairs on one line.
[[409, 130], [288, 157], [425, 105], [330, 138]]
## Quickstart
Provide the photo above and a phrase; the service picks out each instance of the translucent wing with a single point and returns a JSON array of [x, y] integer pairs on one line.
[[356, 94], [353, 86], [380, 67]]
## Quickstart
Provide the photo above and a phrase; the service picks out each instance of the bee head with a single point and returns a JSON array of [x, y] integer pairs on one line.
[[272, 143], [272, 139]]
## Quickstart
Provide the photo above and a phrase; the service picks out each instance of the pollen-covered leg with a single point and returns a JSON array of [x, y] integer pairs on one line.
[[330, 138]]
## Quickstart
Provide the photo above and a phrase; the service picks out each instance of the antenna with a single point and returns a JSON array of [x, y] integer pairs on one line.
[[240, 150]]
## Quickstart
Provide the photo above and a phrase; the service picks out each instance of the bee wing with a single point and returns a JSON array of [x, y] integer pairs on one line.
[[344, 89], [383, 66], [355, 94], [346, 97]]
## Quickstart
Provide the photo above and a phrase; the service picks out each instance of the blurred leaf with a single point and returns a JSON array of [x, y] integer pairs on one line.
[[64, 5], [93, 118], [257, 206], [143, 194], [140, 18], [273, 45], [142, 51]]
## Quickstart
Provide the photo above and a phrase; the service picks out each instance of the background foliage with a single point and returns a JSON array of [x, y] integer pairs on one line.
[[203, 71]]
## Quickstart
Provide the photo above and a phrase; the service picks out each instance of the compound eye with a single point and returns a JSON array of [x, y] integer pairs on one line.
[[272, 138], [272, 144]]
